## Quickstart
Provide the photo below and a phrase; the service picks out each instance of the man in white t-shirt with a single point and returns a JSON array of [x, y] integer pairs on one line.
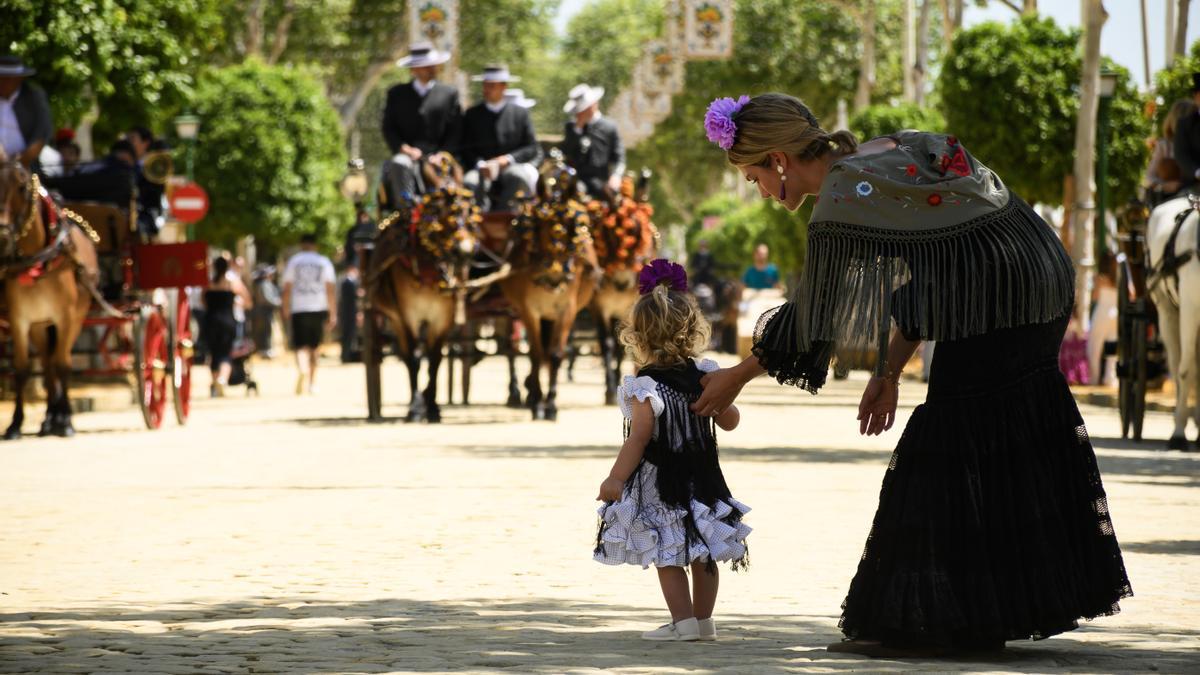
[[309, 306]]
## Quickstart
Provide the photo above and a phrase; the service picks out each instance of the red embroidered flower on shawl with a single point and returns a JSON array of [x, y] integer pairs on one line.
[[911, 169], [934, 199]]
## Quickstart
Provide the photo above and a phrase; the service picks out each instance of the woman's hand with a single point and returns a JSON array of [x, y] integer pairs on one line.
[[877, 410], [610, 490], [721, 387]]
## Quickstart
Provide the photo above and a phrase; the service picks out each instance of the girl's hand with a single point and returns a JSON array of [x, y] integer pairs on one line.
[[610, 490], [877, 410], [721, 387]]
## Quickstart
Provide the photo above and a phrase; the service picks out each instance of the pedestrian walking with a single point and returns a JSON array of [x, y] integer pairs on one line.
[[309, 307], [218, 327], [267, 301], [666, 501], [992, 522]]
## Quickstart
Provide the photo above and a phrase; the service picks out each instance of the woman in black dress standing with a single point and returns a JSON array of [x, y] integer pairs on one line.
[[992, 522], [219, 328]]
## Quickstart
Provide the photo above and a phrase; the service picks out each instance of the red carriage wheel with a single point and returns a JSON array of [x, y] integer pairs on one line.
[[150, 365], [183, 348]]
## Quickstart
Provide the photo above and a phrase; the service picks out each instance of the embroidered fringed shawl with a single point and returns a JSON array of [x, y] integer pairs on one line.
[[924, 234]]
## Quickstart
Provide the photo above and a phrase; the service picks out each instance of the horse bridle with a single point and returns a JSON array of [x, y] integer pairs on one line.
[[33, 189]]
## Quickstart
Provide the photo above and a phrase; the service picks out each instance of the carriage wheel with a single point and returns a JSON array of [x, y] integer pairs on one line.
[[1141, 363], [151, 355], [181, 373]]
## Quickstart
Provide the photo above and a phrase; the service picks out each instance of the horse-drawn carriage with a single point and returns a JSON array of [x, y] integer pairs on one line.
[[444, 275], [77, 275]]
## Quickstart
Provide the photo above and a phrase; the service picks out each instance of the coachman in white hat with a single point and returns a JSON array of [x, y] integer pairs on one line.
[[25, 124], [499, 147], [420, 118], [591, 143]]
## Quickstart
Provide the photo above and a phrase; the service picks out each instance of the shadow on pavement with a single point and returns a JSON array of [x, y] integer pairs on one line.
[[537, 635], [1148, 465], [1163, 547], [729, 453]]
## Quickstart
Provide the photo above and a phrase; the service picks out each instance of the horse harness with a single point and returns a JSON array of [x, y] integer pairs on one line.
[[1167, 269]]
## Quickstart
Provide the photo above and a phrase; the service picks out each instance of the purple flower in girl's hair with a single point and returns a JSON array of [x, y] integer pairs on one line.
[[718, 120], [662, 271]]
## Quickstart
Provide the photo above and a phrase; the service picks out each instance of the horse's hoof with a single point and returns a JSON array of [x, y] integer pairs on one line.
[[610, 398], [433, 415], [414, 416], [12, 434], [550, 414], [64, 430], [46, 429], [514, 400], [1177, 443]]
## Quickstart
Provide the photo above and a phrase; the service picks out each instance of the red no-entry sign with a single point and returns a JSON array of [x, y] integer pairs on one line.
[[189, 203]]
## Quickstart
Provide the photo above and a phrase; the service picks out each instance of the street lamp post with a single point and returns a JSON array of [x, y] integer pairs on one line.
[[187, 126], [1108, 86], [354, 186]]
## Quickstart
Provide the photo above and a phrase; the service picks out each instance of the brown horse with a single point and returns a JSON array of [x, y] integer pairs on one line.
[[625, 239], [551, 277], [48, 262], [419, 272]]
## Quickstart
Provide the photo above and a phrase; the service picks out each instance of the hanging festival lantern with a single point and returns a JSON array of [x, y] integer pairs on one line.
[[708, 29], [673, 27], [650, 101], [435, 21]]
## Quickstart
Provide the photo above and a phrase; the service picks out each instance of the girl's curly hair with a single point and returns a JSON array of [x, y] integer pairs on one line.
[[665, 328]]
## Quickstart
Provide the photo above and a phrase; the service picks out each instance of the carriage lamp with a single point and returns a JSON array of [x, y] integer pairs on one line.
[[187, 126], [1108, 87]]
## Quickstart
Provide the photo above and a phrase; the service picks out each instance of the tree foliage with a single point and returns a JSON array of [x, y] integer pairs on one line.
[[1011, 94], [737, 227], [134, 59], [1175, 82], [880, 120], [270, 154]]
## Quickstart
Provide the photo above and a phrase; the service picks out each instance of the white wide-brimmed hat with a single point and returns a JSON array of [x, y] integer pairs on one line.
[[495, 73], [517, 96], [582, 97], [423, 54], [13, 66]]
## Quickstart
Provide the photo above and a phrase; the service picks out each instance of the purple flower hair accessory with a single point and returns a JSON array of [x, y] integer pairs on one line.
[[665, 272], [718, 120]]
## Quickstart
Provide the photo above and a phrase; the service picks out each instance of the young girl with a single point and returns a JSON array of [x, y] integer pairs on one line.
[[666, 502]]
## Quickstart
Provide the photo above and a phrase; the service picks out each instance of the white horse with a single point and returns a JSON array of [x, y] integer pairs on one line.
[[1177, 298]]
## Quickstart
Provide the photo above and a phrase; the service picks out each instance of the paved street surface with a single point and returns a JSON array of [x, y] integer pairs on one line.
[[286, 534]]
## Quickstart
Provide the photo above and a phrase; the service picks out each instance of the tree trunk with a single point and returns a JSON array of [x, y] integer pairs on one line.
[[866, 68], [921, 66], [1083, 215], [348, 110], [252, 41], [1181, 23], [910, 49], [1030, 7], [83, 131], [1169, 34], [282, 29]]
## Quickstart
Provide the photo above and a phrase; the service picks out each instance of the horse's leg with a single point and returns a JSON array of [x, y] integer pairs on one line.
[[572, 354], [406, 345], [614, 327], [45, 340], [606, 358], [533, 383], [510, 339], [66, 340], [1168, 323], [561, 336], [20, 338], [434, 347]]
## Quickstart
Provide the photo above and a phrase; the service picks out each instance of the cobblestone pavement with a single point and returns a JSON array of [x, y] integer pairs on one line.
[[285, 534]]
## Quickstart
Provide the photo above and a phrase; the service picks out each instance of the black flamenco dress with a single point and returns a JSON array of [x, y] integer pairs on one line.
[[676, 508], [992, 523], [219, 328]]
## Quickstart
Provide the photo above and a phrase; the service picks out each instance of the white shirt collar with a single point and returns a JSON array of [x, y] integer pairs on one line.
[[496, 107], [11, 99], [423, 89], [579, 129]]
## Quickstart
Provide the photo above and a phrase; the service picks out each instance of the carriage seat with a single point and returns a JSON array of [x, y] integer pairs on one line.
[[115, 225]]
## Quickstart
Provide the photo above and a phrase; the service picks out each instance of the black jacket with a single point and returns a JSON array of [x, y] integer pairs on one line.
[[509, 132], [600, 155], [431, 122], [32, 110], [1187, 148]]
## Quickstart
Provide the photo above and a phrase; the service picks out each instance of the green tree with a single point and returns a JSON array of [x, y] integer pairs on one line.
[[270, 155], [1011, 94], [133, 59], [735, 228], [1175, 83], [879, 120]]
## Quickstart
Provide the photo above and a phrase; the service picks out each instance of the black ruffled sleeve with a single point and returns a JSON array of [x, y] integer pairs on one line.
[[776, 346]]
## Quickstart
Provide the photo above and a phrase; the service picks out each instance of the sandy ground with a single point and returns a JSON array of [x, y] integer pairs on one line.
[[286, 534]]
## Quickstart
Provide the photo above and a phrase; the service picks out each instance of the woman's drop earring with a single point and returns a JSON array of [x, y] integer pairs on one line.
[[782, 184]]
